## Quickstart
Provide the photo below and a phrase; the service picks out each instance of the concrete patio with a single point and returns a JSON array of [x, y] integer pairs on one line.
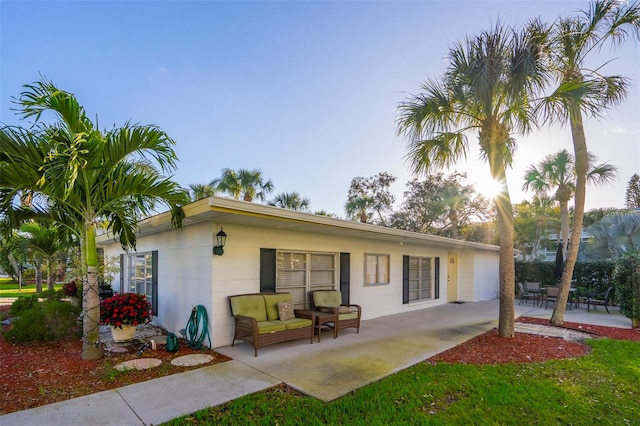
[[386, 345]]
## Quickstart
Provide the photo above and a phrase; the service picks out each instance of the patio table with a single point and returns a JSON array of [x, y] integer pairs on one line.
[[322, 319], [572, 299]]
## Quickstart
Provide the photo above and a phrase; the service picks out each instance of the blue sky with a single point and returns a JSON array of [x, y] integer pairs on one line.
[[305, 91]]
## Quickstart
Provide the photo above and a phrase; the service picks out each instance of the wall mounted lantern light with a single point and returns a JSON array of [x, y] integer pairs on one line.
[[222, 239]]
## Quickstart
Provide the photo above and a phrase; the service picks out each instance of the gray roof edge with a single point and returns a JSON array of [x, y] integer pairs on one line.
[[244, 207]]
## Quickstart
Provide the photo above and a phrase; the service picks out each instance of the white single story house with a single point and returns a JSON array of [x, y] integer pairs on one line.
[[386, 271]]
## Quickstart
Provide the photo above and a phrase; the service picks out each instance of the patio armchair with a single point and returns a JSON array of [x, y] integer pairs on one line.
[[552, 295], [602, 300], [526, 294], [330, 301], [535, 288]]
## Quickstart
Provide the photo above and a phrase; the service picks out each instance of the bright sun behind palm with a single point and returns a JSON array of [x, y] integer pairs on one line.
[[490, 189]]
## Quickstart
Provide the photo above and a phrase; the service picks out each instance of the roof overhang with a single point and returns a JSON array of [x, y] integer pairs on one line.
[[227, 210]]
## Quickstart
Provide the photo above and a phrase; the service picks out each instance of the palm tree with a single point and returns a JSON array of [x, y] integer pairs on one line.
[[359, 208], [615, 235], [584, 91], [596, 215], [199, 191], [88, 176], [370, 196], [487, 88], [557, 174], [291, 201], [245, 184], [533, 218], [46, 240], [324, 213], [461, 202]]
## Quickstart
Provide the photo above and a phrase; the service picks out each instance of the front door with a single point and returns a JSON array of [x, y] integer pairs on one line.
[[452, 277]]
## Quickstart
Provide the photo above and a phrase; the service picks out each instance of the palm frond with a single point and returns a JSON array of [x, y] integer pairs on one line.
[[444, 150]]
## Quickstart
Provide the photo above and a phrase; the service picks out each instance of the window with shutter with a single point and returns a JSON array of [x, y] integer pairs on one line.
[[300, 273], [420, 278]]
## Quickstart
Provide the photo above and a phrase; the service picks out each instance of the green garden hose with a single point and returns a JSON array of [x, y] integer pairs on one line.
[[197, 328]]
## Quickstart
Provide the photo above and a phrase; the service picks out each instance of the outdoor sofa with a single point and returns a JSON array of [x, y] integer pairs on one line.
[[263, 319]]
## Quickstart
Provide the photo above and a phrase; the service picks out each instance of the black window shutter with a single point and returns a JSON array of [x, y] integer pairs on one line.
[[405, 279], [267, 270], [154, 282], [345, 276], [437, 278], [122, 266]]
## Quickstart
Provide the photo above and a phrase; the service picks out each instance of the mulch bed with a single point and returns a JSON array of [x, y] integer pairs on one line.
[[490, 348], [41, 373]]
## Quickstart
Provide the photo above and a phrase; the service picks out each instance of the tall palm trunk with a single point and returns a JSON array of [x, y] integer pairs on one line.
[[38, 262], [91, 300], [536, 244], [504, 212], [564, 225], [507, 265], [50, 280], [453, 219], [16, 269], [581, 159]]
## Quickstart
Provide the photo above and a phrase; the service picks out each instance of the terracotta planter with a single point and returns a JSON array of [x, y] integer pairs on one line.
[[123, 335]]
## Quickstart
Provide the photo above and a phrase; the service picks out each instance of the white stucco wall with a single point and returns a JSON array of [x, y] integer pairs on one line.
[[237, 271], [478, 275], [184, 271], [487, 282], [189, 274]]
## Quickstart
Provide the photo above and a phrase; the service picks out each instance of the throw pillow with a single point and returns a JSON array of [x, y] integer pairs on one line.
[[285, 311], [344, 310]]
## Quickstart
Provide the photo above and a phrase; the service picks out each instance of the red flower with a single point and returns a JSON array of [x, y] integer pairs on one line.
[[70, 289], [128, 308]]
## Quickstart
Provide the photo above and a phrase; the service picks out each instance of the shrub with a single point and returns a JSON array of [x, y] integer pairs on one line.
[[595, 276], [22, 304], [48, 320], [589, 276], [626, 275], [30, 326], [51, 294]]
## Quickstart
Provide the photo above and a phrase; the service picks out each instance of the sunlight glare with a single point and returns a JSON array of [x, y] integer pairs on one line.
[[491, 189]]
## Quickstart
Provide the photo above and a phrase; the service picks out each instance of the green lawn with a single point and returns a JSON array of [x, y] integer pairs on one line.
[[9, 288], [600, 388]]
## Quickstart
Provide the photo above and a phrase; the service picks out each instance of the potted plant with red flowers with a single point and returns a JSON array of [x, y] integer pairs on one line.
[[70, 290], [123, 312]]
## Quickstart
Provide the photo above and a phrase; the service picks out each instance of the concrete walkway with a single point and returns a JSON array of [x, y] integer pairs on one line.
[[325, 370]]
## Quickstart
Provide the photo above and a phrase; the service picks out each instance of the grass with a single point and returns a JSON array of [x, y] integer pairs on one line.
[[9, 288], [600, 388]]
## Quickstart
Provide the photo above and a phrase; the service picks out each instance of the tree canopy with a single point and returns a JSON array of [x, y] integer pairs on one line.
[[632, 194], [441, 205], [370, 198], [243, 183]]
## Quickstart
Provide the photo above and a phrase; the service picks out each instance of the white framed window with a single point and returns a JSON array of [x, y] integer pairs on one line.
[[300, 273], [420, 279], [376, 269], [139, 275]]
